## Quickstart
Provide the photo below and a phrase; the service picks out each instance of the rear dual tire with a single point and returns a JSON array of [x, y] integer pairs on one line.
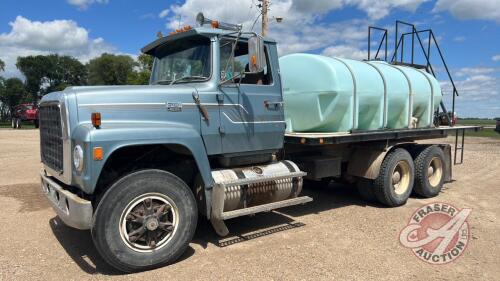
[[399, 175], [154, 204], [394, 183], [429, 171]]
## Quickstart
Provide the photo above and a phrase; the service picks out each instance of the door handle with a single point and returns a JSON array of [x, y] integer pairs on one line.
[[273, 104]]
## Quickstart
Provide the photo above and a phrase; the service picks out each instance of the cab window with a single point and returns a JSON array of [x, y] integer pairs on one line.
[[234, 70], [183, 61]]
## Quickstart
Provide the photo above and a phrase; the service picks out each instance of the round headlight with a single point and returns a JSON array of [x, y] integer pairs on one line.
[[78, 158]]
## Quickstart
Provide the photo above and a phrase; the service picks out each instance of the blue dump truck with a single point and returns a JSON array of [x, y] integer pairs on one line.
[[222, 132]]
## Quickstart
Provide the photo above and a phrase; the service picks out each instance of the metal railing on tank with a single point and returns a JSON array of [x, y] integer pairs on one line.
[[398, 56], [384, 39]]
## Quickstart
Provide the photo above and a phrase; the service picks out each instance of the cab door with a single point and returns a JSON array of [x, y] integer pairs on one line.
[[251, 108]]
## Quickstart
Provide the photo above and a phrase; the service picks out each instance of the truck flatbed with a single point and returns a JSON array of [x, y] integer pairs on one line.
[[380, 135]]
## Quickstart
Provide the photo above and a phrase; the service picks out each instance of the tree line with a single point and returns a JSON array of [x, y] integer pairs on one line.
[[47, 73]]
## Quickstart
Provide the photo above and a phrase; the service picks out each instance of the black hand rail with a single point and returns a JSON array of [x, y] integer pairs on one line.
[[399, 51], [384, 38]]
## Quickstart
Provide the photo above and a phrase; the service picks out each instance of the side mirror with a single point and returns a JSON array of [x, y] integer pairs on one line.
[[256, 56]]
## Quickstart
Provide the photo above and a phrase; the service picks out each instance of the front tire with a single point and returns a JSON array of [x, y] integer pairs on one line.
[[18, 123], [429, 172], [145, 220], [394, 183]]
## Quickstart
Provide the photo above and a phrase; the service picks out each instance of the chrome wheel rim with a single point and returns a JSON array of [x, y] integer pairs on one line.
[[435, 171], [149, 222], [401, 177]]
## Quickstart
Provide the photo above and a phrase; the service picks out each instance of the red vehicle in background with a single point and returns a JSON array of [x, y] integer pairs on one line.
[[25, 112]]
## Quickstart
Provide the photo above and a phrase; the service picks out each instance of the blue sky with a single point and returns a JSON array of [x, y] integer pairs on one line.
[[468, 32]]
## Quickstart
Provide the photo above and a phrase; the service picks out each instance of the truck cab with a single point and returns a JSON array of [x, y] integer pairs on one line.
[[236, 116]]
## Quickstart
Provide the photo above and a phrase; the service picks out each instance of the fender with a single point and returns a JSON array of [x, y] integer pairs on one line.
[[113, 136], [365, 162]]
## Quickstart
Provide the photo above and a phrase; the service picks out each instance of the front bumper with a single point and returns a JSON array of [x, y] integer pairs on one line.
[[73, 210]]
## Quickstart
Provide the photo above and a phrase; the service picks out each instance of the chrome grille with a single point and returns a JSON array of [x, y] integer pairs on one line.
[[51, 143]]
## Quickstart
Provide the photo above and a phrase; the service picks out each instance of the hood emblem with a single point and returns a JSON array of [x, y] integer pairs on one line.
[[174, 106]]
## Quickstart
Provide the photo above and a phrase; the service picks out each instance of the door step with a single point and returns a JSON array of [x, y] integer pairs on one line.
[[266, 207]]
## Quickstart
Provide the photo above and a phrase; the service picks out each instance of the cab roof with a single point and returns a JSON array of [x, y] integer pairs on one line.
[[203, 31]]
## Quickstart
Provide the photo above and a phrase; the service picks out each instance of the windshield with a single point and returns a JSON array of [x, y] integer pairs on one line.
[[182, 61]]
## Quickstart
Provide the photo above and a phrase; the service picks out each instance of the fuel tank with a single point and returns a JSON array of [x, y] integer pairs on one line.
[[243, 196], [328, 94]]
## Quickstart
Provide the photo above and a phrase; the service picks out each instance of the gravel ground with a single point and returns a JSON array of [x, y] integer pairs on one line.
[[339, 236]]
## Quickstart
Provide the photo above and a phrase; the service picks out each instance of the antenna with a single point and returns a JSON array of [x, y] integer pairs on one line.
[[179, 20]]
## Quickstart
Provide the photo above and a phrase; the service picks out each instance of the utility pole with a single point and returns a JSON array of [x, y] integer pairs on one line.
[[265, 19]]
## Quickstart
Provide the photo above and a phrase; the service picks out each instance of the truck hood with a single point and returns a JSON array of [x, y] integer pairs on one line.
[[121, 104]]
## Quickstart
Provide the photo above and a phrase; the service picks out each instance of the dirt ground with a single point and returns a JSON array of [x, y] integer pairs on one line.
[[339, 236]]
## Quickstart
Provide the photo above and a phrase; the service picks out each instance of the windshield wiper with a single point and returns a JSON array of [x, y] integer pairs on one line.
[[188, 77], [163, 82]]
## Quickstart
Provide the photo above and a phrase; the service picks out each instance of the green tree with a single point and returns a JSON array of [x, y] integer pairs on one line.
[[2, 65], [34, 69], [45, 74], [3, 107], [12, 92], [67, 71], [145, 62], [109, 69], [141, 74]]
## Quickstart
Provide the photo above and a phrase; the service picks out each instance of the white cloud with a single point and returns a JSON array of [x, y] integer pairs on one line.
[[302, 28], [459, 39], [479, 89], [163, 13], [345, 51], [471, 71], [64, 37], [377, 9], [496, 58], [84, 4], [51, 35], [470, 9], [315, 37], [297, 11]]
